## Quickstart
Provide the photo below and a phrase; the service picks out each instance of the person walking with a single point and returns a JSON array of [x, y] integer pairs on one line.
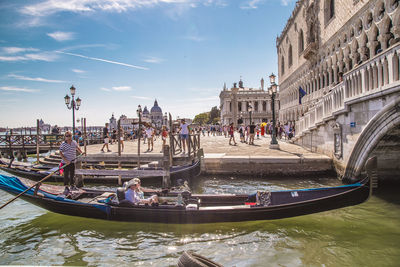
[[164, 135], [68, 153], [106, 137], [121, 138], [149, 136], [232, 134], [184, 134], [252, 128]]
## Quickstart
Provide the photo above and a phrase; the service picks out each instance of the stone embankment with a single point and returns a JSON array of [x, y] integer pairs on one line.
[[258, 159]]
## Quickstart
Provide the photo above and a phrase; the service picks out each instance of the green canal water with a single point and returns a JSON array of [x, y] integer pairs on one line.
[[363, 235]]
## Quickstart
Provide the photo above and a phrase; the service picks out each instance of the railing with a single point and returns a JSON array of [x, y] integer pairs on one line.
[[193, 144], [373, 76]]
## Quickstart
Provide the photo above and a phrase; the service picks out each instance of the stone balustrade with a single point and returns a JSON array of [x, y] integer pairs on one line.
[[376, 75]]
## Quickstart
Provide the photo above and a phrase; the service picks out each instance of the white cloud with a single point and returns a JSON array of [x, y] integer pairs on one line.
[[285, 2], [14, 58], [195, 38], [78, 71], [141, 97], [155, 60], [38, 79], [105, 89], [17, 89], [252, 4], [62, 36], [122, 88], [49, 7], [16, 50], [103, 60], [44, 56]]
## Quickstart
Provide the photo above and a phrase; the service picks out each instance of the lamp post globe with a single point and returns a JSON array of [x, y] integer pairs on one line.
[[74, 105]]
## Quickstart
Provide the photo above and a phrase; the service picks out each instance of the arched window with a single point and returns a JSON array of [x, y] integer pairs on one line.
[[283, 65], [290, 56], [331, 8], [301, 41]]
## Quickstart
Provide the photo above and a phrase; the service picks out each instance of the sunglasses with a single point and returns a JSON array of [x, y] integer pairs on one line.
[[68, 135]]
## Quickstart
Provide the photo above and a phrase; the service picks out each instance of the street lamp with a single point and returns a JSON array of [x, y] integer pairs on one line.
[[139, 113], [74, 106], [165, 119], [272, 90], [250, 109]]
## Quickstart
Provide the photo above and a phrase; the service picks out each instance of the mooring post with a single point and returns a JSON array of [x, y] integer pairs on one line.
[[78, 177], [119, 137], [84, 135], [166, 182], [37, 141]]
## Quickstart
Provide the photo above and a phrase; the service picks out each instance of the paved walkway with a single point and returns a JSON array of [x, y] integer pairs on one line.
[[220, 145]]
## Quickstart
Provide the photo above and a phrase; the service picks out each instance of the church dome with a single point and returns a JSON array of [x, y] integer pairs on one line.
[[155, 108], [145, 111]]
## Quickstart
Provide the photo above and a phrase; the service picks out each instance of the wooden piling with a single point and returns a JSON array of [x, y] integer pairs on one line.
[[166, 182], [84, 135], [37, 141]]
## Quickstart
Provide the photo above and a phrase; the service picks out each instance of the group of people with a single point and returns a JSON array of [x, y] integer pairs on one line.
[[248, 132], [113, 138]]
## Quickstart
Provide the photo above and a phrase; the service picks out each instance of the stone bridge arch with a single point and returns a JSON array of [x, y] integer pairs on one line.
[[385, 123]]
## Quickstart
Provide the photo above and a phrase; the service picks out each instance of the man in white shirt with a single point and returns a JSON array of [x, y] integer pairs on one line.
[[149, 136], [184, 132]]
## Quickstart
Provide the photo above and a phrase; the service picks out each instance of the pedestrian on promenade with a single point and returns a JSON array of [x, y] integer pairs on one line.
[[232, 134], [68, 153], [106, 137], [121, 138], [252, 128], [258, 131], [247, 131], [149, 136], [114, 135], [184, 134], [164, 135], [242, 130]]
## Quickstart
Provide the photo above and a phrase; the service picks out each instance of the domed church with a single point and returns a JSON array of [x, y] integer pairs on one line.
[[156, 115]]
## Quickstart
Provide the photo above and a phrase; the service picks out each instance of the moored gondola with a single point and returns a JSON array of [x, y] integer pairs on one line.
[[36, 173], [195, 208]]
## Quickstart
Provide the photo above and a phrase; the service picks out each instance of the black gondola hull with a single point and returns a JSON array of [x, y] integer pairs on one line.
[[287, 204]]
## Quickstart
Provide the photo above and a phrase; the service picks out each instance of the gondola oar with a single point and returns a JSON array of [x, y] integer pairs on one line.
[[45, 178]]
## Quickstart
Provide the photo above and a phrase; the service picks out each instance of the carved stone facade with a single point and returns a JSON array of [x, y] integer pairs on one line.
[[235, 103], [326, 39]]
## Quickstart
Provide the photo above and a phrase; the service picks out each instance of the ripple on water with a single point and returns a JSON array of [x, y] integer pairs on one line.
[[363, 235]]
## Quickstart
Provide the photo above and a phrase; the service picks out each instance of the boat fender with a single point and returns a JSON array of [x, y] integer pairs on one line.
[[120, 193], [188, 259], [192, 207]]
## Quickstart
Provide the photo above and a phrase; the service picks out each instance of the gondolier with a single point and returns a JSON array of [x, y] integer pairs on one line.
[[68, 153]]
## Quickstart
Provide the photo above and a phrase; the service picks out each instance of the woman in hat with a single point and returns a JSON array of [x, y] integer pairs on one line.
[[135, 195]]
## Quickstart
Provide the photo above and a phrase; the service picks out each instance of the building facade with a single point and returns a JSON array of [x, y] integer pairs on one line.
[[325, 39], [235, 105]]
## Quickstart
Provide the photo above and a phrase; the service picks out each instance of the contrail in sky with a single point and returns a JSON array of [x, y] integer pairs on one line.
[[104, 60]]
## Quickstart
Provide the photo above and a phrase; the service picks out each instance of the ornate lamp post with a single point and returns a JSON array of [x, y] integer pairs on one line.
[[272, 92], [165, 119], [74, 106], [139, 113], [250, 109]]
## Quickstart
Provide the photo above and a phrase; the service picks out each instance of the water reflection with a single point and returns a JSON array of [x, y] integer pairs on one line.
[[363, 235]]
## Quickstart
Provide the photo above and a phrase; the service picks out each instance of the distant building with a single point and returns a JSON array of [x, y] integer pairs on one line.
[[156, 115], [235, 104], [44, 127]]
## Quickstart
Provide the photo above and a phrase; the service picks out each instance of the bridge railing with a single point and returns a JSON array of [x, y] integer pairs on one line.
[[373, 76]]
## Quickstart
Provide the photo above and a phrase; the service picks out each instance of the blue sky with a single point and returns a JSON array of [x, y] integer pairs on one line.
[[122, 53]]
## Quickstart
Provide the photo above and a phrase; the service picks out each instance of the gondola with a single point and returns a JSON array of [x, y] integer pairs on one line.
[[36, 173], [187, 208]]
